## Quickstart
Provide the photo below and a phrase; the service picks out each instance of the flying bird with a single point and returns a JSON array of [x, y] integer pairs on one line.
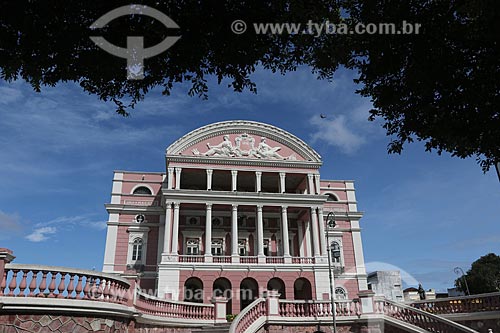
[[323, 116]]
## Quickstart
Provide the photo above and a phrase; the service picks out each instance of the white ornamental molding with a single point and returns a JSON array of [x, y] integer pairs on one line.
[[245, 145]]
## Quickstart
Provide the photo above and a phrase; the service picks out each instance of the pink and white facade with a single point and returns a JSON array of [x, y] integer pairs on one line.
[[240, 209]]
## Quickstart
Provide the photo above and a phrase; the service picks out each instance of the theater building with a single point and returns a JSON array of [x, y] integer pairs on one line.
[[240, 208]]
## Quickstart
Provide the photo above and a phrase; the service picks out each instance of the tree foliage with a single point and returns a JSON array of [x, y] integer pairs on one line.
[[439, 86], [483, 277]]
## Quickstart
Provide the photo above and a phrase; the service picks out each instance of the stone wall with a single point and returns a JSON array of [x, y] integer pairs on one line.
[[40, 323]]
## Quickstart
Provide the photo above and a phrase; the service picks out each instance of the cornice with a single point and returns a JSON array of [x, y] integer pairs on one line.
[[119, 208], [249, 198], [243, 161]]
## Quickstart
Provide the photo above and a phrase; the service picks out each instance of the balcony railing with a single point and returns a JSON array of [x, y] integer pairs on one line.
[[462, 304], [302, 260], [191, 258], [253, 260], [249, 260], [62, 282], [222, 259], [275, 260], [173, 309], [143, 203]]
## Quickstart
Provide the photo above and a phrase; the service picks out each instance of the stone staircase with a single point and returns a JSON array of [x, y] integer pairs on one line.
[[217, 328]]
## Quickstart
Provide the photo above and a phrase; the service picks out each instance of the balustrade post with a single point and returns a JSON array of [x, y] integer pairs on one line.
[[6, 257], [219, 309], [366, 301], [272, 302]]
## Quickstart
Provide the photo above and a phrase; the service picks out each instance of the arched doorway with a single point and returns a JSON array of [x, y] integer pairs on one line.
[[302, 289], [278, 285], [193, 290], [249, 291], [222, 288]]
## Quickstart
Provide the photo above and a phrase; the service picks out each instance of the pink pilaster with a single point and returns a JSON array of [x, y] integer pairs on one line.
[[6, 256]]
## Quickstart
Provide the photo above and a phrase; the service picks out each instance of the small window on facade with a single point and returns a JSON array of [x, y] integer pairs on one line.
[[340, 293], [137, 249], [217, 247], [242, 247], [142, 190], [331, 197], [192, 247], [335, 252]]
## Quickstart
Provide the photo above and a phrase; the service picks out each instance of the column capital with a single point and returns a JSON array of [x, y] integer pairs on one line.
[[282, 174], [258, 173], [234, 172], [209, 205], [259, 208], [170, 169], [310, 175], [320, 210], [284, 209], [209, 171], [178, 169], [177, 205], [168, 203], [235, 206]]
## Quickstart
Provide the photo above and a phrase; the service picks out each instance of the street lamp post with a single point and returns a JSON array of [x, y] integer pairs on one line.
[[460, 271], [330, 223]]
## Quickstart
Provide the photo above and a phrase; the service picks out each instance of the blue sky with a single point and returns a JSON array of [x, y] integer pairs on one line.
[[424, 214]]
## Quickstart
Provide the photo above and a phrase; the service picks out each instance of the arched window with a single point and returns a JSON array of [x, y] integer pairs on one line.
[[340, 293], [335, 252], [137, 249], [332, 197], [142, 190]]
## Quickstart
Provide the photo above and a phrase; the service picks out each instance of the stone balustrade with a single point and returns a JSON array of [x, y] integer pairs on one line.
[[463, 304], [303, 260], [292, 309], [275, 260], [173, 309], [249, 315], [222, 259], [142, 203], [254, 260], [419, 318], [191, 258], [249, 260], [323, 308], [60, 282]]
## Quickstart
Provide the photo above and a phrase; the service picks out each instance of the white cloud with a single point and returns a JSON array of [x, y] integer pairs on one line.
[[61, 224], [337, 132], [40, 234]]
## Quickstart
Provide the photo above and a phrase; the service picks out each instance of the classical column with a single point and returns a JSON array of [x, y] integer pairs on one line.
[[175, 229], [310, 183], [282, 182], [234, 233], [168, 227], [208, 233], [318, 184], [258, 181], [284, 232], [315, 233], [209, 179], [300, 238], [322, 233], [260, 234], [178, 178], [234, 180], [170, 178]]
